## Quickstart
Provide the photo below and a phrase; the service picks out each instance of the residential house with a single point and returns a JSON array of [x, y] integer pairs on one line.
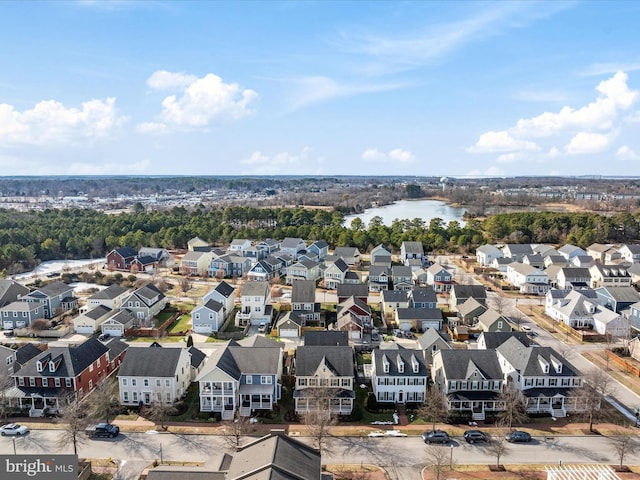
[[119, 323], [241, 379], [439, 278], [392, 300], [469, 312], [256, 304], [196, 264], [335, 273], [553, 260], [324, 379], [610, 324], [110, 297], [470, 380], [419, 276], [493, 321], [574, 277], [609, 276], [544, 377], [89, 322], [492, 340], [399, 376], [160, 256], [197, 360], [418, 319], [269, 246], [381, 256], [197, 244], [261, 271], [536, 261], [239, 246], [544, 250], [530, 280], [634, 271], [293, 246], [351, 255], [634, 348], [617, 299], [423, 297], [11, 291], [630, 252], [226, 266], [225, 294], [516, 251], [20, 314], [120, 259], [486, 254], [460, 293], [582, 261], [357, 308], [145, 302], [8, 364], [359, 291], [634, 318], [47, 381], [401, 277], [320, 248], [329, 338], [411, 251], [303, 301], [303, 270], [501, 264], [351, 324], [54, 297], [208, 317], [154, 375], [290, 325], [432, 341], [598, 251], [378, 278], [569, 251]]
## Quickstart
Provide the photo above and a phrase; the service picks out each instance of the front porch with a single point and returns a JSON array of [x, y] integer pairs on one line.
[[338, 403], [255, 397], [39, 402], [556, 403], [478, 403]]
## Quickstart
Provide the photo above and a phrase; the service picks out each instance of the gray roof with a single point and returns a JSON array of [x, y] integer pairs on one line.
[[291, 242], [526, 360], [326, 338], [235, 360], [97, 312], [148, 293], [377, 270], [395, 296], [9, 291], [109, 293], [260, 341], [352, 290], [116, 347], [341, 265], [519, 248], [621, 294], [346, 252], [26, 352], [338, 359], [395, 358], [74, 359], [459, 364], [495, 339], [413, 247], [150, 362], [171, 472], [469, 306], [255, 289], [197, 356], [633, 247], [21, 307], [224, 289], [303, 291], [466, 291], [400, 271], [424, 295], [123, 317], [419, 313], [275, 457], [54, 289], [432, 336], [576, 272], [213, 305]]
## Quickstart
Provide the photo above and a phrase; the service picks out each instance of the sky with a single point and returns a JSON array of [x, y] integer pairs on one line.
[[423, 88]]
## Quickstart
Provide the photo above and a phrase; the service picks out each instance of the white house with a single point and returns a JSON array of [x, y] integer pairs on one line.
[[398, 376], [486, 254], [256, 304], [529, 279]]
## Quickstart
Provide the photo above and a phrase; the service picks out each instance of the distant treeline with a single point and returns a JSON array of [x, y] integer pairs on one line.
[[26, 238]]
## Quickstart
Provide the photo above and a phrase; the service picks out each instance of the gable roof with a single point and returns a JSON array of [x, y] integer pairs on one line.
[[126, 252], [466, 291], [412, 247], [469, 306], [224, 289], [495, 339], [424, 295], [430, 337], [419, 314], [109, 293], [326, 338], [346, 252], [303, 291], [526, 360], [394, 357], [54, 289], [255, 289], [352, 289], [74, 359], [337, 359], [235, 360], [400, 271], [395, 296], [26, 352], [459, 364], [150, 362]]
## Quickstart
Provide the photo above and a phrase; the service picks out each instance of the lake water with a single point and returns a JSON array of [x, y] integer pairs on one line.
[[410, 209]]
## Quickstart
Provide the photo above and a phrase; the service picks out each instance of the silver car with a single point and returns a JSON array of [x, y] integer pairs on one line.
[[13, 429]]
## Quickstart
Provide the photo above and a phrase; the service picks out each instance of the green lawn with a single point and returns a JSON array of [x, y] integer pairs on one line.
[[182, 324]]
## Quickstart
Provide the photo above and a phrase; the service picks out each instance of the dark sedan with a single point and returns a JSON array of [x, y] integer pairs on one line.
[[435, 436], [474, 436], [518, 436]]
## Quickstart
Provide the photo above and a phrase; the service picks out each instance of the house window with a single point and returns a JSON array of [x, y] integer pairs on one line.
[[553, 382], [528, 382], [145, 382], [67, 382], [266, 379], [167, 383], [539, 382], [500, 324], [90, 384], [249, 380], [98, 363], [133, 382], [135, 396], [157, 382], [45, 382], [125, 396], [91, 367], [302, 382], [56, 382], [124, 382], [21, 381], [32, 382], [168, 397]]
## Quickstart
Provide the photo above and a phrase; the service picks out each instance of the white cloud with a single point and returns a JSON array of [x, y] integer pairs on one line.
[[198, 102], [609, 68], [586, 143], [163, 80], [396, 155], [50, 122], [303, 163], [626, 153], [491, 142], [588, 129]]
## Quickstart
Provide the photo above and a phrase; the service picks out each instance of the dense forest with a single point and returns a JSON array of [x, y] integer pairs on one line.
[[26, 238]]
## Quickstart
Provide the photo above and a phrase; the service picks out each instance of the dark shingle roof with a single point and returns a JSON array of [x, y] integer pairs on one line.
[[26, 352], [74, 359], [338, 359], [395, 296], [224, 289], [54, 289], [326, 338], [459, 364], [116, 347], [197, 356], [424, 295], [303, 291], [527, 360], [355, 290], [150, 362], [495, 339], [126, 252], [97, 312], [419, 313], [109, 293], [395, 357]]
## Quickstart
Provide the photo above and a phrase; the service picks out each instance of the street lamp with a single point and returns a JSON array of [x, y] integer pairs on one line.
[[451, 458]]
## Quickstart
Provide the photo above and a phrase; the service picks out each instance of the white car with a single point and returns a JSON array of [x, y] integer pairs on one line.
[[262, 327], [526, 328], [13, 429]]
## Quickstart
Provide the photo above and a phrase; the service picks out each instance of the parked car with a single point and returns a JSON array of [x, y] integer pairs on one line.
[[526, 328], [473, 436], [103, 430], [262, 327], [8, 333], [518, 436], [13, 429], [532, 334], [103, 336], [435, 436]]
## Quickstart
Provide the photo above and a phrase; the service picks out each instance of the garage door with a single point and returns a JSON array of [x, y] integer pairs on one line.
[[355, 334], [84, 330], [113, 331], [288, 333], [430, 324]]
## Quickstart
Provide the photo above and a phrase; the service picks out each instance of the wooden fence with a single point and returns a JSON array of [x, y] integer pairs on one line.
[[623, 363]]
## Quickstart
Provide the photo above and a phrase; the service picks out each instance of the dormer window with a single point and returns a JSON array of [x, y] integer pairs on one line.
[[39, 366], [385, 365], [400, 366], [415, 366]]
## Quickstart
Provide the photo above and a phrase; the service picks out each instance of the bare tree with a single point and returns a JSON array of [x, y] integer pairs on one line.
[[234, 431], [73, 423], [498, 445], [592, 394], [102, 403], [319, 420], [439, 458], [499, 303], [185, 285], [159, 409], [434, 409], [624, 445], [515, 410]]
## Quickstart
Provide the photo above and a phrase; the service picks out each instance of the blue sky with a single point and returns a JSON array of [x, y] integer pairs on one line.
[[320, 88]]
